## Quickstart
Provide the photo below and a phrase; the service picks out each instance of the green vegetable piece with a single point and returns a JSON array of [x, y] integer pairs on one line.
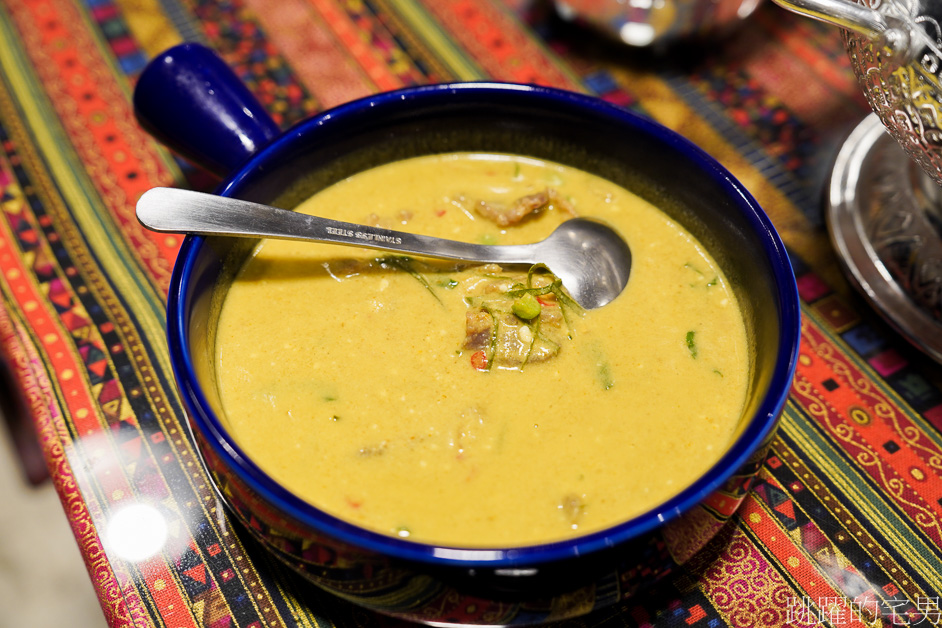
[[692, 344], [448, 283], [605, 376], [526, 307]]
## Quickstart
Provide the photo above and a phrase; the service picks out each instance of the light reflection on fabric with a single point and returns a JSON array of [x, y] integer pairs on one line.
[[136, 532]]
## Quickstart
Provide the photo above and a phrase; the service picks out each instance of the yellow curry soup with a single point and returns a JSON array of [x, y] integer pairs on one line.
[[475, 405]]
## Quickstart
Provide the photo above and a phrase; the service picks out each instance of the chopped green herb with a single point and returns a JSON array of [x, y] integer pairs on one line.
[[448, 283], [718, 372], [692, 344], [404, 263], [492, 348], [326, 392], [533, 337], [526, 307], [516, 170], [713, 282], [533, 329], [519, 290], [597, 360], [605, 375]]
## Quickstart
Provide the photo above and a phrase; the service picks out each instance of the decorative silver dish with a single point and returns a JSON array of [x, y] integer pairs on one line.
[[884, 212]]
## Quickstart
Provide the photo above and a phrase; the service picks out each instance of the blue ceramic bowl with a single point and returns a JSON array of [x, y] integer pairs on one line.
[[188, 98]]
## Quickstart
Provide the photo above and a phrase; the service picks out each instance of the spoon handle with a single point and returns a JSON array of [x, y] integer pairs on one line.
[[173, 210]]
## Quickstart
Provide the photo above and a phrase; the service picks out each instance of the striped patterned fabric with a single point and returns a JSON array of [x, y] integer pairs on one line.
[[843, 526]]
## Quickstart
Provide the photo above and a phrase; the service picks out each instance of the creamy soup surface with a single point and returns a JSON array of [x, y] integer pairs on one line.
[[475, 406]]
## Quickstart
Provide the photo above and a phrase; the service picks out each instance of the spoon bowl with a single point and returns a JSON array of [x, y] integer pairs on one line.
[[589, 257]]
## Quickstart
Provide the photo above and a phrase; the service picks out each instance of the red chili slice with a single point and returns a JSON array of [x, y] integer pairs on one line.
[[479, 360]]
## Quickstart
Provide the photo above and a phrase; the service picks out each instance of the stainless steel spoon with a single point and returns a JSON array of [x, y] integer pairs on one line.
[[591, 259]]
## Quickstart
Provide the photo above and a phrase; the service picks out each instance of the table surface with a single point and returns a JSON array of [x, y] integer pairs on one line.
[[844, 523]]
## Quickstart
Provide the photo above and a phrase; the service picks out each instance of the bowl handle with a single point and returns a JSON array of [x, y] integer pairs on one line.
[[190, 100]]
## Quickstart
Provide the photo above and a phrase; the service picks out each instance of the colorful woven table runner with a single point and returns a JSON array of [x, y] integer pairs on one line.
[[844, 524]]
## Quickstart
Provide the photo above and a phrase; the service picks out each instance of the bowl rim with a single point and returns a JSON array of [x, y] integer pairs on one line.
[[200, 414]]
